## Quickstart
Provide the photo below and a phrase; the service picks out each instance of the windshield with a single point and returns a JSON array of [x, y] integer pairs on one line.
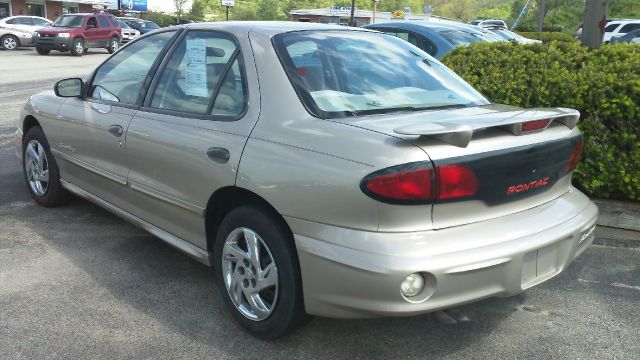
[[352, 73], [69, 21], [148, 25], [123, 24], [505, 34]]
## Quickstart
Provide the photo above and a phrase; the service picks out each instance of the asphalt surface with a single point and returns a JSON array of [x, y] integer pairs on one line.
[[78, 282]]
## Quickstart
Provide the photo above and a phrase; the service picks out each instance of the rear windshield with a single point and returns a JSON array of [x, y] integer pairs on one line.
[[352, 73], [458, 37], [69, 21]]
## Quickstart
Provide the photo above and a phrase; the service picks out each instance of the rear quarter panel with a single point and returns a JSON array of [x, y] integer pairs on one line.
[[310, 168]]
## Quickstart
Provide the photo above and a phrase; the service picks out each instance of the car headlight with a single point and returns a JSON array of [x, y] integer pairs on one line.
[[63, 35], [35, 34]]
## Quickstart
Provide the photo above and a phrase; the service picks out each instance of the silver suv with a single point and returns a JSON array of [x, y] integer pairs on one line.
[[322, 171]]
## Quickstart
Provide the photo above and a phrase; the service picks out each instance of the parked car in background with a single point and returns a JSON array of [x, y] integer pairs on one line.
[[23, 22], [489, 23], [78, 32], [615, 27], [435, 38], [13, 38], [143, 26], [630, 37], [512, 36], [321, 170], [128, 33]]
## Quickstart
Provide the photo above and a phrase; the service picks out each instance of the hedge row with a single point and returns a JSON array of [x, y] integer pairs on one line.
[[603, 84], [548, 36]]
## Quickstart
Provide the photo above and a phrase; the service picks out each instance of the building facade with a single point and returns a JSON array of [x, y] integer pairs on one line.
[[45, 8]]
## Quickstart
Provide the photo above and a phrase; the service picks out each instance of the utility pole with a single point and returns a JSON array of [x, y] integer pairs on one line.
[[595, 20], [352, 21], [542, 10]]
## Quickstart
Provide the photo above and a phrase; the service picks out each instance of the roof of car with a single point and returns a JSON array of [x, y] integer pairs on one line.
[[268, 28]]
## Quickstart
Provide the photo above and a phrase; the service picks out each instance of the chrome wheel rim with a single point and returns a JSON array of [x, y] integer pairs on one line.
[[36, 167], [80, 47], [9, 43], [114, 45], [250, 274]]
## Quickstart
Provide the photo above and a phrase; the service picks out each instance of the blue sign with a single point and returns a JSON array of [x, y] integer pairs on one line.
[[135, 5]]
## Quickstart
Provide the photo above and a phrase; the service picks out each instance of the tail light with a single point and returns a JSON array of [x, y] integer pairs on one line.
[[419, 183], [576, 155]]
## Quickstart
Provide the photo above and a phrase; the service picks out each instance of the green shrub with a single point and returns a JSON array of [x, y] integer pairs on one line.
[[603, 84], [548, 36]]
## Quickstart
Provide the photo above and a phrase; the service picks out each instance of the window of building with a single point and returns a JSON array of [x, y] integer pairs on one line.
[[70, 9], [5, 10], [35, 10]]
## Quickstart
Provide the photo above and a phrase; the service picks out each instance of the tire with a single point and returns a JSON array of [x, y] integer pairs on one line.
[[42, 51], [114, 45], [86, 50], [77, 47], [278, 263], [10, 42], [52, 194]]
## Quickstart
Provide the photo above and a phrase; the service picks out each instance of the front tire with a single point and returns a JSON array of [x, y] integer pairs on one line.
[[77, 47], [114, 45], [42, 51], [10, 42], [41, 171], [257, 272]]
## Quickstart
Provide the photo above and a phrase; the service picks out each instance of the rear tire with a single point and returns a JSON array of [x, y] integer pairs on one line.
[[77, 47], [272, 281], [10, 42], [41, 171], [42, 51], [114, 45]]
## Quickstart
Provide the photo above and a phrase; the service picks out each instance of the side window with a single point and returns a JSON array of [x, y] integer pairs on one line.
[[113, 21], [204, 76], [120, 79], [13, 21], [629, 27], [611, 27], [91, 22], [103, 22], [40, 22]]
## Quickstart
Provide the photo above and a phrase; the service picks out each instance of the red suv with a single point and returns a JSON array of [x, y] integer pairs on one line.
[[79, 32]]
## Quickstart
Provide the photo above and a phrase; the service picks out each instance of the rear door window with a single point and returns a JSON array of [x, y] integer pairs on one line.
[[611, 27], [629, 27], [103, 22]]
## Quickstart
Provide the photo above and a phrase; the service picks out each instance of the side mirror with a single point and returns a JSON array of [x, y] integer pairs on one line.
[[69, 87]]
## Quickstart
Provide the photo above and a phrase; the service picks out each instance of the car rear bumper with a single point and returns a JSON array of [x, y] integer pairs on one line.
[[354, 274]]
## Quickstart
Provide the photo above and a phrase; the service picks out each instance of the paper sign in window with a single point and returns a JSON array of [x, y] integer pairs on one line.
[[196, 79]]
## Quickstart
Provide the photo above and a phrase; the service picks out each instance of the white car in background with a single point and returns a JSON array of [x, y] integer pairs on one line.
[[128, 33], [27, 23], [615, 28]]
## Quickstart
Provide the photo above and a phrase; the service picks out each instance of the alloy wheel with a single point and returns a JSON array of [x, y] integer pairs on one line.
[[250, 274], [9, 43], [79, 47], [114, 45], [36, 167]]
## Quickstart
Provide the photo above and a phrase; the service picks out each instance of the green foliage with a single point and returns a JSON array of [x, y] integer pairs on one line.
[[603, 84], [548, 36]]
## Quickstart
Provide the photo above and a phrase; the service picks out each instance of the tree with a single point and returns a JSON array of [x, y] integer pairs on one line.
[[180, 4]]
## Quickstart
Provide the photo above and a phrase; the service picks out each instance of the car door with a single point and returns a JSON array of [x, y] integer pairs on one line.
[[186, 141], [102, 35], [90, 132], [91, 31]]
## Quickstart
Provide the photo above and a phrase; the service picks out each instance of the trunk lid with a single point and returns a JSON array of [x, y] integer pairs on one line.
[[515, 170]]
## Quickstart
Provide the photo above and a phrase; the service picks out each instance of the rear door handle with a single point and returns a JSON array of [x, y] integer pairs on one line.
[[116, 130], [218, 155]]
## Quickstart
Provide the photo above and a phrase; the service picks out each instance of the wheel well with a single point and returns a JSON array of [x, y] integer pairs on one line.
[[28, 123], [226, 199]]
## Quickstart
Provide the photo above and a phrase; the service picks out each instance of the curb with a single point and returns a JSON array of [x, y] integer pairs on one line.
[[619, 214]]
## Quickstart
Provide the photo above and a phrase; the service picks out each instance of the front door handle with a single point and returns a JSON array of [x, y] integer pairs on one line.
[[218, 155], [116, 130]]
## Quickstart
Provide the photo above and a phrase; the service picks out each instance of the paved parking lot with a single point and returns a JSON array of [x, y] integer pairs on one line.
[[78, 282]]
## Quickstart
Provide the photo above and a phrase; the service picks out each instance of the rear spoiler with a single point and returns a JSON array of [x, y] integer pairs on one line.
[[458, 131]]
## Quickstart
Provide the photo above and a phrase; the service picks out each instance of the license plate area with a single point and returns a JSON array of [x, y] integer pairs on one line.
[[544, 263]]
